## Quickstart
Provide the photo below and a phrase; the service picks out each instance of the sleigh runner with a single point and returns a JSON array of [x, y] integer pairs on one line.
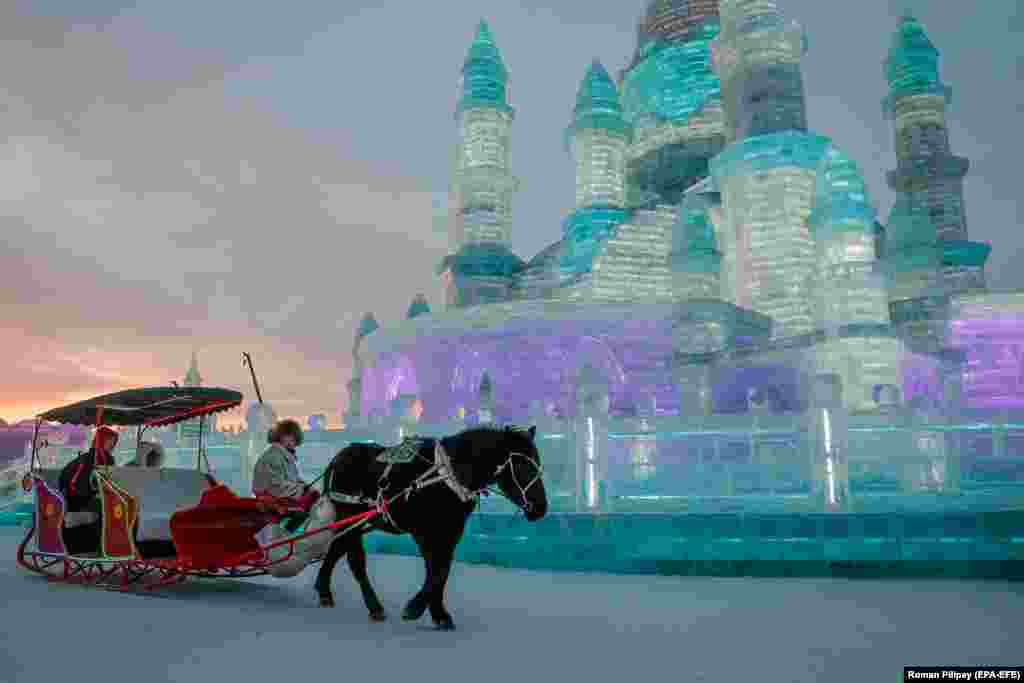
[[161, 525]]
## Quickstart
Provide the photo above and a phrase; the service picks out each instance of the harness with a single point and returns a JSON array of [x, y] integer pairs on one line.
[[440, 471]]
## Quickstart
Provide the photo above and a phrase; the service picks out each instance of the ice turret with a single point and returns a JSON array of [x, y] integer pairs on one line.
[[673, 20], [926, 171], [482, 183], [672, 98], [912, 251], [484, 76], [851, 296], [481, 273], [367, 326], [768, 253], [913, 258], [598, 137], [192, 377], [851, 289], [757, 56], [912, 65], [418, 307], [188, 432]]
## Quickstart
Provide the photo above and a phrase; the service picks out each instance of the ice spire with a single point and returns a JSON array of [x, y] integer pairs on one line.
[[485, 78], [597, 103], [912, 65], [482, 180], [192, 377], [928, 175], [597, 139], [367, 326], [418, 307]]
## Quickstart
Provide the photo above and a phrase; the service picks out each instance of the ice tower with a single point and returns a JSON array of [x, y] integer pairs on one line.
[[188, 432], [481, 267], [927, 174], [597, 138], [367, 326], [672, 97], [767, 175], [758, 57], [857, 343]]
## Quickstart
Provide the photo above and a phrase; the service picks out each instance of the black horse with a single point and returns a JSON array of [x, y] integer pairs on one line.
[[432, 497]]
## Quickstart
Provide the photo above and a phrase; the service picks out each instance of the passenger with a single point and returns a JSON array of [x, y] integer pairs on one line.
[[148, 454], [81, 497], [277, 472]]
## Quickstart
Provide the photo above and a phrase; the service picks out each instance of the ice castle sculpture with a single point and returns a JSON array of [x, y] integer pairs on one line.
[[721, 261]]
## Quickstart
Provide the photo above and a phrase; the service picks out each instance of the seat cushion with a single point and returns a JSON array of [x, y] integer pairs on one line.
[[160, 493]]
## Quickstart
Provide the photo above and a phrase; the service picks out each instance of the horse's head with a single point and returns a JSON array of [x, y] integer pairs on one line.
[[506, 456], [518, 472]]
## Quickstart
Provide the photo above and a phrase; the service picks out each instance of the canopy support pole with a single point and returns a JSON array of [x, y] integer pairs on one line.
[[199, 446], [35, 445], [247, 361]]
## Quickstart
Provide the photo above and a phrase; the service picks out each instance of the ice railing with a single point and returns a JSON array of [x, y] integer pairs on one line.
[[905, 460]]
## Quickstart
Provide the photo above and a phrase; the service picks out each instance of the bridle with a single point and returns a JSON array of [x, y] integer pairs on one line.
[[526, 505]]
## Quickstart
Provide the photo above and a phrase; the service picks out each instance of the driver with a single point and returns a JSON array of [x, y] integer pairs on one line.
[[277, 472], [80, 494]]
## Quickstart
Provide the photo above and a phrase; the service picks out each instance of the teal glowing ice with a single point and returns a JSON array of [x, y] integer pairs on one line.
[[965, 253], [597, 104], [698, 251], [771, 151], [484, 259], [673, 81], [911, 239], [418, 307], [585, 231], [841, 196], [912, 67], [485, 78], [367, 326]]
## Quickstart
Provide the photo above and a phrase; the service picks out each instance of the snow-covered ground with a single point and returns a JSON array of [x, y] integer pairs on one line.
[[513, 626]]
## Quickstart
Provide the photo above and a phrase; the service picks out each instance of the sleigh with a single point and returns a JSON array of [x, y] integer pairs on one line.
[[158, 526]]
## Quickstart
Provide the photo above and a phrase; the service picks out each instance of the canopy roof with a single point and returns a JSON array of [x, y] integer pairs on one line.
[[153, 407]]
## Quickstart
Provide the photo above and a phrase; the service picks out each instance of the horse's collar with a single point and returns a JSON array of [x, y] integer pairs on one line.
[[445, 470]]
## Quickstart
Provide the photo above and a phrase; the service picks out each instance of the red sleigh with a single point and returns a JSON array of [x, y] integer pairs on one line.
[[157, 525]]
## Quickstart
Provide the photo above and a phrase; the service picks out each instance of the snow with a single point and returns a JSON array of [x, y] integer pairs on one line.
[[513, 626]]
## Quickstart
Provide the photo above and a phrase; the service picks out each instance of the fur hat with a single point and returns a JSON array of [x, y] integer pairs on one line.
[[147, 452], [104, 431], [285, 428]]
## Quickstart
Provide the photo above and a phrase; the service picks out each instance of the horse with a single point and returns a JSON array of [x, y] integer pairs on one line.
[[431, 497]]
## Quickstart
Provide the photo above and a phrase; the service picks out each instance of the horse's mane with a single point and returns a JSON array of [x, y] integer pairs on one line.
[[494, 427], [458, 443]]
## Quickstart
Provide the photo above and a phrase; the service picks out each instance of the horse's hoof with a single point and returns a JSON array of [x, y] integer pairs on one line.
[[378, 616], [444, 624], [326, 601]]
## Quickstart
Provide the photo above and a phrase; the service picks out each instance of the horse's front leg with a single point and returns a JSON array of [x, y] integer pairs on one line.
[[338, 547], [437, 556], [357, 563], [415, 608], [443, 558]]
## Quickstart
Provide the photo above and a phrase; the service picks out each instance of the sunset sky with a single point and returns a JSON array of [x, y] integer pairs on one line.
[[253, 176]]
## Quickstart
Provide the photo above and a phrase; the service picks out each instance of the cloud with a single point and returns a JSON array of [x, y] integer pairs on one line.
[[145, 209]]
